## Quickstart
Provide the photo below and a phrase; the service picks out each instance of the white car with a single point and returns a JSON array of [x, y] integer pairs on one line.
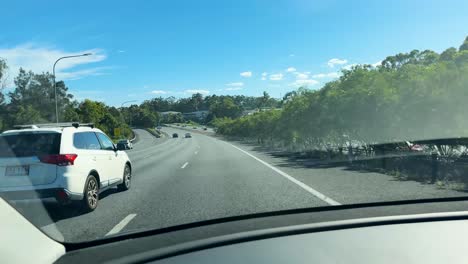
[[68, 162], [127, 144]]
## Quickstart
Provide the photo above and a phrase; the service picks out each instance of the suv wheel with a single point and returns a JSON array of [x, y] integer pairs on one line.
[[91, 194], [127, 177]]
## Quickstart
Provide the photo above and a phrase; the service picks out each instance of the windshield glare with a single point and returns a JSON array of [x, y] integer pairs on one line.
[[164, 113]]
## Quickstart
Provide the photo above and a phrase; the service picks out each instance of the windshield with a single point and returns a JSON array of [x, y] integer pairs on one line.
[[174, 112]]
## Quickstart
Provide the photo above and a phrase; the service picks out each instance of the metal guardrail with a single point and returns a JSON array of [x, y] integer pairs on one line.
[[134, 136]]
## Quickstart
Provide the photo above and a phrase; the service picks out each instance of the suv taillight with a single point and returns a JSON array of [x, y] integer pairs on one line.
[[59, 160]]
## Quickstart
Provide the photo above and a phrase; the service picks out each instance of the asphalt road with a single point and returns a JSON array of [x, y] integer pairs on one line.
[[183, 180]]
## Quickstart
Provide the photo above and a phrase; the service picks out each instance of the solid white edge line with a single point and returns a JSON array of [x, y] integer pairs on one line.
[[117, 228], [314, 192], [185, 165]]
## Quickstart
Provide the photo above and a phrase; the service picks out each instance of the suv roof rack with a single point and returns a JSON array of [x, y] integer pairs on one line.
[[25, 126], [71, 124]]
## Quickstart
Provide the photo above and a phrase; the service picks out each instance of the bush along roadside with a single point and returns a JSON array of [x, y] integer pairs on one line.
[[154, 132]]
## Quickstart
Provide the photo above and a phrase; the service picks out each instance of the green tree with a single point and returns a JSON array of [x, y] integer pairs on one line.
[[464, 46], [91, 111], [448, 54], [37, 91], [197, 101], [414, 95], [225, 107]]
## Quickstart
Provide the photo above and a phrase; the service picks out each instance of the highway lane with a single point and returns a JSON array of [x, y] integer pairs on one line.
[[177, 181], [184, 180]]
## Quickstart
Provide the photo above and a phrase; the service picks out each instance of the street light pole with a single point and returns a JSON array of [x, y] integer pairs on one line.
[[55, 84], [121, 106], [132, 101]]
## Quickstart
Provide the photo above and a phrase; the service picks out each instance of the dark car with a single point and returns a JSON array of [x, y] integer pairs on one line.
[[188, 135], [125, 144], [175, 135]]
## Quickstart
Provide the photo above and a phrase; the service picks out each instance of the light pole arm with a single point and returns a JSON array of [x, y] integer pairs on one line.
[[121, 106], [127, 102], [55, 84]]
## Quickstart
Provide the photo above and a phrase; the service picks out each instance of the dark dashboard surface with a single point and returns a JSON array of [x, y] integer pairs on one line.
[[116, 248], [429, 242]]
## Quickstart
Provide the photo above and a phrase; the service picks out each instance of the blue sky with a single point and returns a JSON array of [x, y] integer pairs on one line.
[[144, 49]]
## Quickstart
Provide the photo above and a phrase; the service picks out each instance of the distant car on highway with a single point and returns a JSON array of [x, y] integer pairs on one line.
[[205, 128], [188, 135], [125, 143], [175, 135], [70, 162], [194, 127]]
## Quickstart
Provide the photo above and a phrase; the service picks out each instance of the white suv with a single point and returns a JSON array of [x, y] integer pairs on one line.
[[68, 162]]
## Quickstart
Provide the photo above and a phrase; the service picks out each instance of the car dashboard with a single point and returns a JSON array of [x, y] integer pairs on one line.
[[428, 232]]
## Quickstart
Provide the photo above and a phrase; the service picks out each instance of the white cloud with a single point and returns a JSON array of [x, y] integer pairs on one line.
[[302, 75], [95, 95], [233, 89], [326, 75], [320, 75], [78, 74], [276, 77], [158, 92], [121, 51], [264, 74], [291, 69], [246, 74], [291, 55], [194, 91], [263, 78], [348, 67], [302, 82], [377, 64], [331, 63], [235, 84], [39, 59]]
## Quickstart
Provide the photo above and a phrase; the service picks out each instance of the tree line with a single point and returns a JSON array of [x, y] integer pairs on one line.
[[32, 100], [409, 96], [218, 106], [415, 95]]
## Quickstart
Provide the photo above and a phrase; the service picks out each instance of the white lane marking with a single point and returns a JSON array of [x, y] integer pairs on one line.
[[153, 147], [196, 152], [314, 192], [185, 165], [121, 225]]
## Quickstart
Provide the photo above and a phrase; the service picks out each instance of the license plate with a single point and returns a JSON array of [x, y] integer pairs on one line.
[[17, 171]]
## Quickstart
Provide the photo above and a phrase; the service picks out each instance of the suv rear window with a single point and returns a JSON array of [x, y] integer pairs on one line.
[[29, 144], [86, 140]]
